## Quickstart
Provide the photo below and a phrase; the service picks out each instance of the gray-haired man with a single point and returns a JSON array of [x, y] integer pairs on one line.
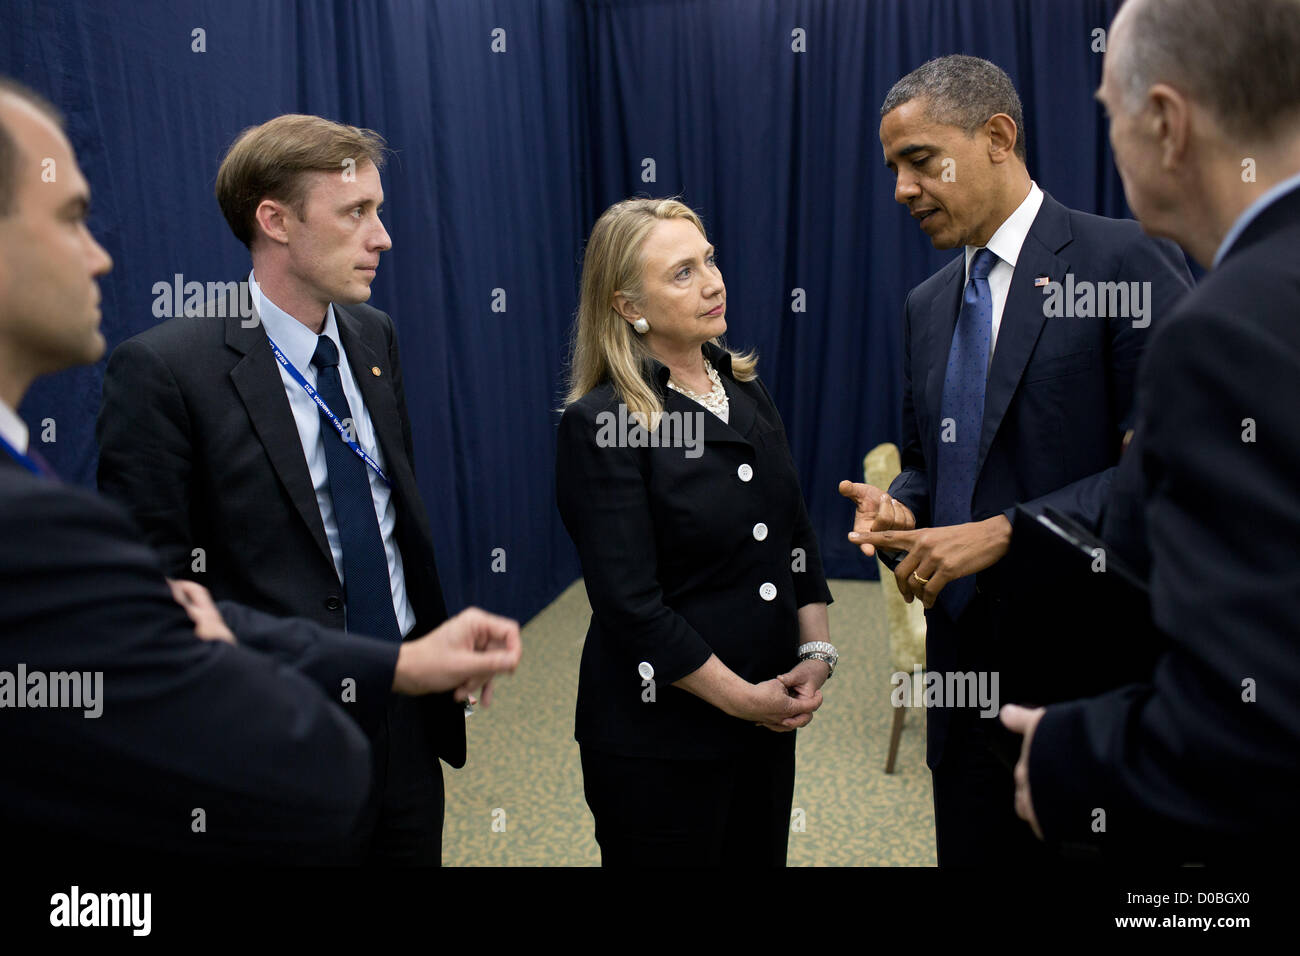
[[1200, 761]]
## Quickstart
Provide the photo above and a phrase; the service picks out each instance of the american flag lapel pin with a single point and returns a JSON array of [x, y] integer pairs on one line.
[[1040, 282]]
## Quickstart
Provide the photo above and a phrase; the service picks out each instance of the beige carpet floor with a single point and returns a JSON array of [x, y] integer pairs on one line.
[[518, 801]]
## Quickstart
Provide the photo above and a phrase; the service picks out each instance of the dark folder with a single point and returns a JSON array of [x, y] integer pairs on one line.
[[1074, 621]]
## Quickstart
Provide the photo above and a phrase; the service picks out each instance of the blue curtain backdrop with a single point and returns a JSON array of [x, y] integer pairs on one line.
[[514, 123]]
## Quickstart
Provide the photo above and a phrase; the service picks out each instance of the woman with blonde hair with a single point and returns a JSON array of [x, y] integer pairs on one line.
[[708, 644]]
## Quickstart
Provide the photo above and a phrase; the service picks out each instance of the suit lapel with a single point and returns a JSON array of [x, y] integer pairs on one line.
[[1023, 315], [715, 429], [377, 392], [741, 409], [938, 334], [257, 379]]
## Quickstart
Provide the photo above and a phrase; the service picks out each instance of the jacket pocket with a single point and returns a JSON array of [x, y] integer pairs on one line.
[[1057, 366]]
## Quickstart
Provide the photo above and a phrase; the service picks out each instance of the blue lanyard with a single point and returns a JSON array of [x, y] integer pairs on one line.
[[23, 460], [325, 410]]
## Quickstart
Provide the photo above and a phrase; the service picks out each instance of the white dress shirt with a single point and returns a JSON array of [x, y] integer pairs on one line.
[[1006, 244], [12, 428], [298, 343]]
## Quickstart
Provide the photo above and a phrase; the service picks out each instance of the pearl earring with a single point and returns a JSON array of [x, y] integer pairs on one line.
[[641, 325]]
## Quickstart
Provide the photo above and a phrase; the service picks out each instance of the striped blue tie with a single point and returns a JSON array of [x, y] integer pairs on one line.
[[962, 415]]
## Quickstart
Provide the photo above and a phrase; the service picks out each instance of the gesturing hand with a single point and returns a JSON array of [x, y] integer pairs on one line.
[[463, 654], [876, 511], [936, 556]]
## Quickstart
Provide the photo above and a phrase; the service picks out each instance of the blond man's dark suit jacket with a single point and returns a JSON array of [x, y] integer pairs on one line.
[[197, 439]]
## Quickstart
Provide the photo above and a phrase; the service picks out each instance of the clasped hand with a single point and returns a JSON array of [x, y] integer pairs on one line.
[[787, 701]]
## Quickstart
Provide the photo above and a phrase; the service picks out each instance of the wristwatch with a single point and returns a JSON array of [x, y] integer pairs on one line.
[[820, 651]]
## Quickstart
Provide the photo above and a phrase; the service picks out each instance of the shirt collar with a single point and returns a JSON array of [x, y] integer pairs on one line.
[[1252, 213], [719, 357], [13, 428], [1010, 236], [296, 341]]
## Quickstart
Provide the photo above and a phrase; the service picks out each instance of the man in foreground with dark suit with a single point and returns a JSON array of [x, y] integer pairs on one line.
[[266, 451], [1200, 762], [137, 720], [1009, 397]]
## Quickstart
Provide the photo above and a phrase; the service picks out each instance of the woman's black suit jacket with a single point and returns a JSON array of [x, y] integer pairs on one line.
[[684, 556]]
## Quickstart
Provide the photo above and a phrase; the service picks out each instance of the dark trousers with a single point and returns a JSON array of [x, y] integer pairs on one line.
[[402, 824], [975, 822], [690, 813]]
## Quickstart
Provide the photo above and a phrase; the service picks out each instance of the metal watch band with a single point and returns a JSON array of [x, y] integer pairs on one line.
[[827, 659]]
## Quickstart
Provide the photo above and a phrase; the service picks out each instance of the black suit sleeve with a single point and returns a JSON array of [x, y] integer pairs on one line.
[[200, 747], [1209, 745], [809, 584], [1157, 265], [146, 451], [352, 670], [603, 500]]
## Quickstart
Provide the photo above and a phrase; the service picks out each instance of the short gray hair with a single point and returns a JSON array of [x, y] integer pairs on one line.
[[1238, 58], [961, 91]]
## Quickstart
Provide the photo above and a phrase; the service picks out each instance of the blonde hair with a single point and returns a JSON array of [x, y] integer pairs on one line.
[[604, 344], [267, 162]]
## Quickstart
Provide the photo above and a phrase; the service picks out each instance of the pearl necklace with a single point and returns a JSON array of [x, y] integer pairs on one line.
[[715, 401]]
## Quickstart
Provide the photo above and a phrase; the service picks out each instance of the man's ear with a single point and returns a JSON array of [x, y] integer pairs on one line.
[[1170, 118], [1002, 133], [270, 216]]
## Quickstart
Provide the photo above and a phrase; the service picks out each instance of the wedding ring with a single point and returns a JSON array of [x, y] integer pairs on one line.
[[919, 579]]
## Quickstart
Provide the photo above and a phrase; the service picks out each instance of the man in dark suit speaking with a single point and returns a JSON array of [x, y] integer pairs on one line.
[[1019, 359], [120, 729], [1201, 760], [264, 446]]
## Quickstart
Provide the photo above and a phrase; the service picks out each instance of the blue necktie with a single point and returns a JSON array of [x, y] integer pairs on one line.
[[962, 415], [366, 586]]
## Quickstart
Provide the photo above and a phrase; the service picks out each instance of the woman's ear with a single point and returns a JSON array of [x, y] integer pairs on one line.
[[626, 307]]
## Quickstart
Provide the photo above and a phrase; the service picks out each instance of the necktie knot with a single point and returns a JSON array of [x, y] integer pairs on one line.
[[982, 263], [327, 353]]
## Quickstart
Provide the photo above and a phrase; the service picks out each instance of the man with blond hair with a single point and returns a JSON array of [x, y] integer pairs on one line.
[[137, 720], [264, 445]]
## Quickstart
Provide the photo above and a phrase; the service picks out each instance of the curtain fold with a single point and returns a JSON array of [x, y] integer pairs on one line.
[[513, 124]]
